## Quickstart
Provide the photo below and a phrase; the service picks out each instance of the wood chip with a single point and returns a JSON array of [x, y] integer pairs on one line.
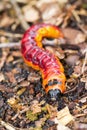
[[83, 100], [21, 91], [64, 116], [60, 126]]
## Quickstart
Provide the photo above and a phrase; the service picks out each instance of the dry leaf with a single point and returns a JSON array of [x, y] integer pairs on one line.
[[3, 88], [24, 83], [16, 53], [35, 107], [30, 13], [51, 10], [11, 77], [10, 59], [72, 59], [2, 77], [73, 36], [6, 21], [12, 101]]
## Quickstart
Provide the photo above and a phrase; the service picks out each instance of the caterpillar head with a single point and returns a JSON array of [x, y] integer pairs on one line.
[[54, 94], [55, 88]]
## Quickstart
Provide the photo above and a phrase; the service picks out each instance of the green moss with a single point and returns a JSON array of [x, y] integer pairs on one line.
[[36, 128], [34, 116], [44, 108], [31, 116], [84, 5]]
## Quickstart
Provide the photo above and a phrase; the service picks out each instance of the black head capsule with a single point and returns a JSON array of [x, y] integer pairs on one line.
[[54, 94]]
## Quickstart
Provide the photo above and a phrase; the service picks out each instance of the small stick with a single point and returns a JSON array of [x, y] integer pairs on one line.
[[9, 45], [19, 15], [8, 34], [82, 28], [85, 61]]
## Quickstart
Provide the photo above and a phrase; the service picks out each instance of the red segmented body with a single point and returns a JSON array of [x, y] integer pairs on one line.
[[40, 59]]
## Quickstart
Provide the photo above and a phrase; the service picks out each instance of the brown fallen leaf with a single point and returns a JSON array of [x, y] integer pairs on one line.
[[3, 88], [11, 77], [14, 102], [73, 36], [57, 51], [24, 83], [32, 77], [16, 53], [51, 110], [72, 59], [6, 21], [10, 59]]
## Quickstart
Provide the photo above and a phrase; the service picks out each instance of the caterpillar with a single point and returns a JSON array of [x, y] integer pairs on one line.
[[40, 59]]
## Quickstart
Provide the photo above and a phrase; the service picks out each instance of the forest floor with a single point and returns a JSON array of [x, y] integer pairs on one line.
[[24, 104]]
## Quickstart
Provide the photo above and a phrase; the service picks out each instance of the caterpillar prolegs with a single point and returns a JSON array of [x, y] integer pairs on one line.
[[38, 58]]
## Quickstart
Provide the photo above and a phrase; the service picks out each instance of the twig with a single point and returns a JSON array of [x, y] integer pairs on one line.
[[7, 34], [76, 16], [82, 28], [80, 115], [85, 61], [7, 125], [9, 45], [3, 59], [19, 15], [68, 15]]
